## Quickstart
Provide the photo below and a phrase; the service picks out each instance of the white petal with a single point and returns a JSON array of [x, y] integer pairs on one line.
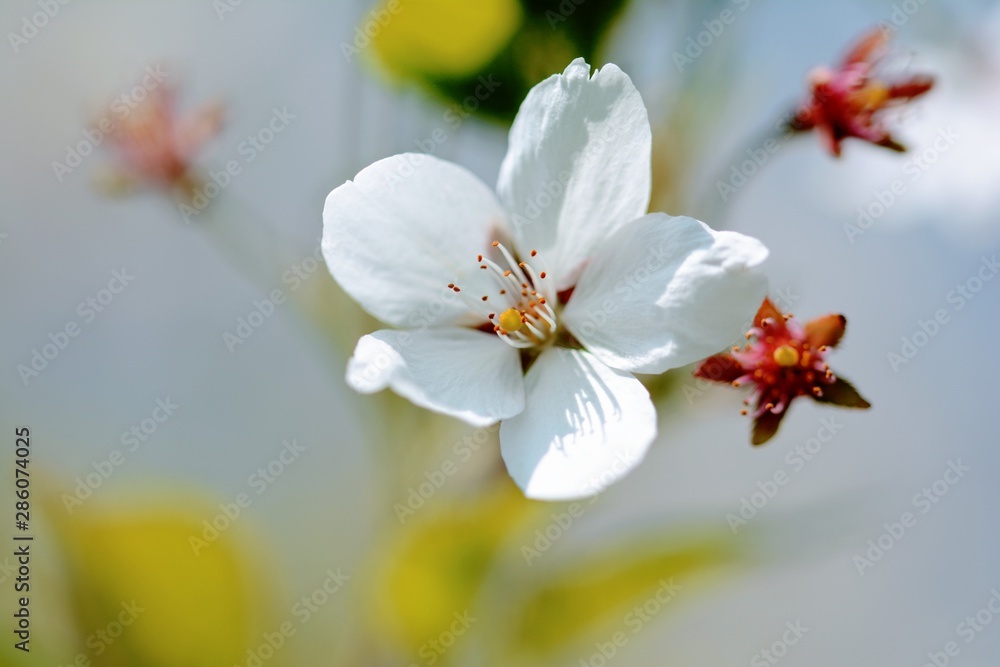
[[405, 228], [665, 292], [464, 373], [584, 426], [577, 166]]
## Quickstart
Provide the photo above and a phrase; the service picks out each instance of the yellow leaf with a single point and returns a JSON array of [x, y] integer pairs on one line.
[[142, 595], [439, 38], [434, 567]]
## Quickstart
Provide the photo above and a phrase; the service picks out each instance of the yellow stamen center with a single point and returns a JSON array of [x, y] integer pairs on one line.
[[786, 355], [510, 320], [872, 96]]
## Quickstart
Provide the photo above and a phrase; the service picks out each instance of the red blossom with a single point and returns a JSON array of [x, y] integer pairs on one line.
[[850, 101], [157, 146], [784, 360]]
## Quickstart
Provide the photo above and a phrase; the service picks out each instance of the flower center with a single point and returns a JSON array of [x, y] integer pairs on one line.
[[872, 96], [510, 320], [520, 308], [786, 355]]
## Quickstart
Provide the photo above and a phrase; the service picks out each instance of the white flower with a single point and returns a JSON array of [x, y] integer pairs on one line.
[[482, 283]]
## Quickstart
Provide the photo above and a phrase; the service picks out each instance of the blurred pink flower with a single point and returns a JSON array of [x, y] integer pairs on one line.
[[849, 101], [156, 145]]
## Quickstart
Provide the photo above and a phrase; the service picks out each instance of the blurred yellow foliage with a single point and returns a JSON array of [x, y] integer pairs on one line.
[[602, 591], [137, 569], [435, 566], [440, 38]]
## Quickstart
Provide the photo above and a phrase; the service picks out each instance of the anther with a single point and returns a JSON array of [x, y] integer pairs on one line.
[[511, 320], [786, 355]]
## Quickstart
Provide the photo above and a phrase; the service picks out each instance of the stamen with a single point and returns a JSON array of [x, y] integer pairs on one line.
[[533, 330], [502, 276], [510, 260], [547, 315], [526, 319]]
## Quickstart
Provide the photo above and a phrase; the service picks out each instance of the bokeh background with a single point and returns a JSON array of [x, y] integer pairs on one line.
[[322, 566]]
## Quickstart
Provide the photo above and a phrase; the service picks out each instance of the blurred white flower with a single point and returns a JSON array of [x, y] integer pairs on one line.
[[535, 307]]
